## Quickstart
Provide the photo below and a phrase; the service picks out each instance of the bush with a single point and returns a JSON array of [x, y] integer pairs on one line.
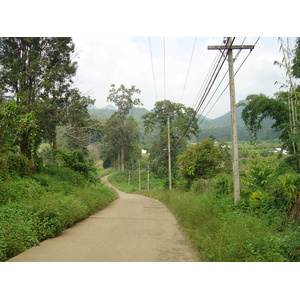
[[12, 163], [221, 232], [223, 185], [18, 163], [201, 186], [19, 189], [77, 162], [42, 205]]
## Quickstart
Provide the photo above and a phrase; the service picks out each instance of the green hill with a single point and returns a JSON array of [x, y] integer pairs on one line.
[[218, 128]]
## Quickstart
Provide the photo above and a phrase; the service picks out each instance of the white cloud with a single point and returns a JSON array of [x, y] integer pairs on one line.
[[103, 61]]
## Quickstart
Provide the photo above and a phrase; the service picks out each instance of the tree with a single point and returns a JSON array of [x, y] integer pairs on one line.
[[37, 73], [58, 97], [296, 60], [204, 160], [259, 107], [77, 122], [283, 108], [117, 137], [123, 99], [183, 124], [13, 126]]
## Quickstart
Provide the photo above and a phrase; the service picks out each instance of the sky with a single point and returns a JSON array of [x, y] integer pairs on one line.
[[180, 69], [112, 43]]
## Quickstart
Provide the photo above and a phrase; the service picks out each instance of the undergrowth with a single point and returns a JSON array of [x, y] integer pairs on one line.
[[40, 206], [224, 232]]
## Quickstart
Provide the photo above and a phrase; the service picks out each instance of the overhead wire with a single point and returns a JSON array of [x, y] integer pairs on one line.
[[202, 112], [208, 83], [228, 82], [188, 69], [152, 68], [213, 77], [164, 68], [211, 83], [206, 80], [216, 70]]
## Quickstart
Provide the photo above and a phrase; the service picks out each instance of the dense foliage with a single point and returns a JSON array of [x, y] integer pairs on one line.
[[283, 108], [36, 92], [183, 125], [204, 160], [256, 229], [121, 133], [34, 207], [37, 105]]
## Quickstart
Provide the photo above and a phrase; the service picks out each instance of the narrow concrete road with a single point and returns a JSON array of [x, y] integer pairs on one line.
[[133, 228]]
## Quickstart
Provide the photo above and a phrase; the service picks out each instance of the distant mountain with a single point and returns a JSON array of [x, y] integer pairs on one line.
[[137, 112], [225, 120], [108, 110], [92, 106], [218, 128], [109, 107]]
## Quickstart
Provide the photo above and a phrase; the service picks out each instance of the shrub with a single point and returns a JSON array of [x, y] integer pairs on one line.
[[43, 205], [18, 163], [19, 189], [77, 162], [223, 185], [204, 160], [16, 230], [12, 163], [201, 186]]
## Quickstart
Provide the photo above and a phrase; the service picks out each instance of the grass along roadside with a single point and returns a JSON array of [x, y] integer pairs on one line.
[[40, 206], [223, 232]]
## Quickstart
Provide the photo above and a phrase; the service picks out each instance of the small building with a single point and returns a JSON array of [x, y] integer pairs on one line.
[[285, 152]]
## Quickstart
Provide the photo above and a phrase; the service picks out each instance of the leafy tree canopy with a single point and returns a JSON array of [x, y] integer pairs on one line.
[[123, 98], [296, 60], [204, 160], [260, 107]]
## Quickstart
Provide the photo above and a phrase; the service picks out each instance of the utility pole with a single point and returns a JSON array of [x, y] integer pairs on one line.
[[148, 181], [235, 154], [169, 154], [139, 174]]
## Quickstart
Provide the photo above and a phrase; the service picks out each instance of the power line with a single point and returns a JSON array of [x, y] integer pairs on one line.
[[205, 80], [209, 88], [188, 69], [228, 83], [164, 68], [213, 77], [211, 83], [214, 94], [246, 57], [238, 53], [153, 69], [217, 67]]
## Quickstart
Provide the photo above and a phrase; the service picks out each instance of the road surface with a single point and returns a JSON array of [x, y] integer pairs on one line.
[[133, 228]]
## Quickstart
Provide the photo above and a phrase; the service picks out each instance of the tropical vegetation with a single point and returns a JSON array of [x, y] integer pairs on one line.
[[52, 146]]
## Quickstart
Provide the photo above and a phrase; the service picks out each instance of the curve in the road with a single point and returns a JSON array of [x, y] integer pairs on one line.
[[133, 228]]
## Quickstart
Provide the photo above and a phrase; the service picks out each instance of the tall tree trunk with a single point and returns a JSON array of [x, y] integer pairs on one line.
[[295, 213], [25, 145], [54, 147], [122, 162], [119, 160]]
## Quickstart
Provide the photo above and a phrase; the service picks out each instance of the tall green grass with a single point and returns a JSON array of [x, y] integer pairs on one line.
[[34, 208], [129, 182], [222, 232]]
